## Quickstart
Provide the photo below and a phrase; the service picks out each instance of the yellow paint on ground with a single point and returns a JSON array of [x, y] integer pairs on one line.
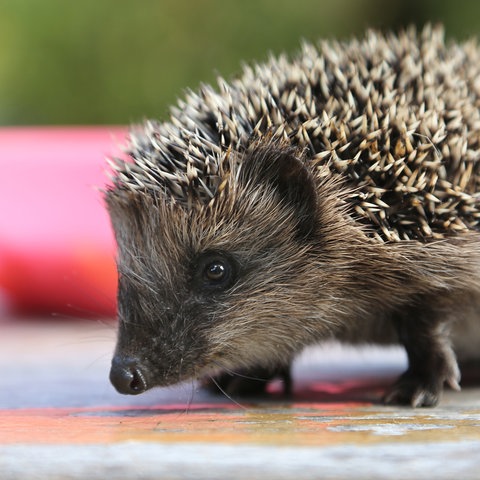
[[267, 424]]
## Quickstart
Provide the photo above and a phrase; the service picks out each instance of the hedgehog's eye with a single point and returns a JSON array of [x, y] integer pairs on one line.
[[215, 271]]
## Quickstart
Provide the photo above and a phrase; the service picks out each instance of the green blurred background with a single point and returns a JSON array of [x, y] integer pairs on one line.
[[120, 61]]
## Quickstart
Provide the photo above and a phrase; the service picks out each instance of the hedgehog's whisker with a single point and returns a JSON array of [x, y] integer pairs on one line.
[[238, 374], [191, 396], [226, 394]]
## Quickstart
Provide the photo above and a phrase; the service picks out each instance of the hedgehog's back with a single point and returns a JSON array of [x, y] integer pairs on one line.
[[398, 116]]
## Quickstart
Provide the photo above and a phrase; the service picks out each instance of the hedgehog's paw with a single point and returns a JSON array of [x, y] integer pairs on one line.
[[247, 382], [418, 390], [411, 389]]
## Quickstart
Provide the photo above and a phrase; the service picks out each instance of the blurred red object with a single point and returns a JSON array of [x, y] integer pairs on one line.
[[57, 253]]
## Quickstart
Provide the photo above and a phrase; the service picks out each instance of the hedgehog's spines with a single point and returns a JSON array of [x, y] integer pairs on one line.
[[396, 115]]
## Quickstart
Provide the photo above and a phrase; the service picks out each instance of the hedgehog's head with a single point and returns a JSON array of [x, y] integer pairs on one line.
[[212, 283]]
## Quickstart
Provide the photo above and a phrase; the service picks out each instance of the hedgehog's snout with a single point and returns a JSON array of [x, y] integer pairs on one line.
[[128, 376]]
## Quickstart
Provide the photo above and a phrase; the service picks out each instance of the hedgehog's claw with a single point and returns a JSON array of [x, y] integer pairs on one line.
[[414, 391], [419, 390]]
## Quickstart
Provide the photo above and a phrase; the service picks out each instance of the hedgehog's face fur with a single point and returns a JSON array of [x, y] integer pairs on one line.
[[212, 286]]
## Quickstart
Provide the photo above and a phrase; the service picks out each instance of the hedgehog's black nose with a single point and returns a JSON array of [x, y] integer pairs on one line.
[[126, 376]]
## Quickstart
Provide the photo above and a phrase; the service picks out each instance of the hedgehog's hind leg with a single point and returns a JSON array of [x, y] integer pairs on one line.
[[424, 332]]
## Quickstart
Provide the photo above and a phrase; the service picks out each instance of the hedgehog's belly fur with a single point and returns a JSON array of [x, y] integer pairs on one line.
[[466, 329]]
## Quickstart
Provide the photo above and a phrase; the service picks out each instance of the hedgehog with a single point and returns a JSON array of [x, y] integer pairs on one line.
[[333, 194]]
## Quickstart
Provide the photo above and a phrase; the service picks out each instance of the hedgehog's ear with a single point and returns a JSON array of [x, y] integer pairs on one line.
[[281, 167]]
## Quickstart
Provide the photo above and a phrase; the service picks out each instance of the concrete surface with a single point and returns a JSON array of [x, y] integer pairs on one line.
[[60, 419]]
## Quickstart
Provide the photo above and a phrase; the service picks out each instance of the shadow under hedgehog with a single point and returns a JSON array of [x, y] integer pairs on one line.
[[333, 195]]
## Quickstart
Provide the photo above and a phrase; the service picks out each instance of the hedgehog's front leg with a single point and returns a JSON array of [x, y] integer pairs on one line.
[[431, 361], [250, 382]]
